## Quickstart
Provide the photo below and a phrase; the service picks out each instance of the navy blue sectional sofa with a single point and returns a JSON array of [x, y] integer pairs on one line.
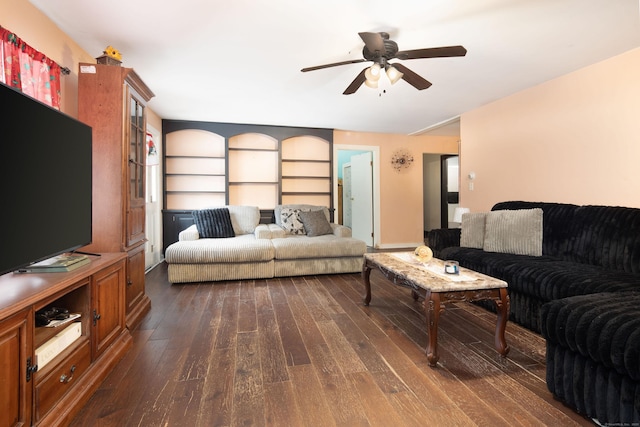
[[582, 295]]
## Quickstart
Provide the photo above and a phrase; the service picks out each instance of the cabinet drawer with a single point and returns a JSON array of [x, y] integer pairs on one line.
[[61, 378]]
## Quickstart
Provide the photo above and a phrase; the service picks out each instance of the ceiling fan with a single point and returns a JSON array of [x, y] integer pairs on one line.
[[380, 49]]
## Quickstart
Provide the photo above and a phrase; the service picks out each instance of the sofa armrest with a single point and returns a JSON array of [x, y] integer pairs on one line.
[[262, 231], [276, 231], [341, 230], [442, 238], [190, 233]]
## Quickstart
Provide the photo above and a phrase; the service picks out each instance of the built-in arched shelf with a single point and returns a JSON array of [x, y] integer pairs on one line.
[[210, 164], [253, 170], [306, 170], [195, 169]]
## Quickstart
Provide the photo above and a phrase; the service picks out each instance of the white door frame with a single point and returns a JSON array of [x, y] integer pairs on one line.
[[375, 150], [153, 209]]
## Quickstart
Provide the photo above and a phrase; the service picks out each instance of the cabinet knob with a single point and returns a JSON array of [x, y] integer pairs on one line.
[[96, 317], [129, 282], [31, 369], [64, 378]]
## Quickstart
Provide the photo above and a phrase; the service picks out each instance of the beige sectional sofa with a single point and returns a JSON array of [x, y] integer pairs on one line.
[[260, 251]]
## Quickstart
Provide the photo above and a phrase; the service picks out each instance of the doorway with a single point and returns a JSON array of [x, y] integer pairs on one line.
[[441, 190], [364, 214]]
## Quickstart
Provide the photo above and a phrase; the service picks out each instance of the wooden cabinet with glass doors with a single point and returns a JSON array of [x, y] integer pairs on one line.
[[112, 100]]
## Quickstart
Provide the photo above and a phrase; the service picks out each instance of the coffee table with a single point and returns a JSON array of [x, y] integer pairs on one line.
[[431, 282]]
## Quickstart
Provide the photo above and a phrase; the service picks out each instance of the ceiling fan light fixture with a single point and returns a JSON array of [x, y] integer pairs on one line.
[[393, 74], [373, 84], [373, 73]]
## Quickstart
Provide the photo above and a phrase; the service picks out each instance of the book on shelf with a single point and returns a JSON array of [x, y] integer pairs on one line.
[[48, 350], [56, 264]]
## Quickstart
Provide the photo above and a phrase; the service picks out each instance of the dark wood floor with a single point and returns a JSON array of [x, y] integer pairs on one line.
[[304, 351]]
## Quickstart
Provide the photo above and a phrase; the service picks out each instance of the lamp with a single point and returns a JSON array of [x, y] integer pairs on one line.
[[372, 75], [457, 214], [393, 74]]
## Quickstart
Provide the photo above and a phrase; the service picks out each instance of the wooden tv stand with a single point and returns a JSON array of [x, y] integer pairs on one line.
[[51, 395]]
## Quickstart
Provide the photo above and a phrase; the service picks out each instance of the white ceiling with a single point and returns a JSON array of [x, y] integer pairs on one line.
[[239, 61]]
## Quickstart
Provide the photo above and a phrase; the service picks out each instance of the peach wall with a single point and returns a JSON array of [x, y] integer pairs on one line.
[[401, 218], [572, 139], [37, 30]]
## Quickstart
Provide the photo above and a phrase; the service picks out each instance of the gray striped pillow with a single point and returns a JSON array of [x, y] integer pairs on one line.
[[213, 223], [514, 232]]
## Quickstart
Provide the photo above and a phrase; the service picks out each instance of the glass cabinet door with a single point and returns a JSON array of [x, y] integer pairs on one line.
[[137, 155], [137, 149]]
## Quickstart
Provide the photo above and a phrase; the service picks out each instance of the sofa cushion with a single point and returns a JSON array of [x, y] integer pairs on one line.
[[315, 223], [472, 230], [290, 221], [607, 236], [604, 327], [213, 223], [514, 231], [327, 246], [244, 219], [242, 248]]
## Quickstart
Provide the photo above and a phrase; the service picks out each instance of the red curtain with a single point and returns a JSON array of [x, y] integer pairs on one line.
[[26, 69]]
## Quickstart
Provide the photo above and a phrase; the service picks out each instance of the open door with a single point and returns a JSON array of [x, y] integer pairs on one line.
[[362, 197]]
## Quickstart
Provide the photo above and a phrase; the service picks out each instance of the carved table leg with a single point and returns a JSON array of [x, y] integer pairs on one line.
[[432, 309], [366, 272], [501, 323]]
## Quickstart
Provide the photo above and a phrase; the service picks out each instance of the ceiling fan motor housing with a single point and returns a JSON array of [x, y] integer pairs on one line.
[[390, 51]]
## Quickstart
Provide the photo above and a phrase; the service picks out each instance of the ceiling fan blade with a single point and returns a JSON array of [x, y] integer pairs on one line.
[[374, 42], [335, 64], [434, 52], [412, 78], [356, 83]]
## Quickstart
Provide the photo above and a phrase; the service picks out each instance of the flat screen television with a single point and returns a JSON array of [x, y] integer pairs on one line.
[[45, 181]]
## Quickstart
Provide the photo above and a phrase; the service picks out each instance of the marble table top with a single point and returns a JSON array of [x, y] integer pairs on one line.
[[431, 275]]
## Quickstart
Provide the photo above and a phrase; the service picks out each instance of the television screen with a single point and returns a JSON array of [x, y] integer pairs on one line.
[[45, 181]]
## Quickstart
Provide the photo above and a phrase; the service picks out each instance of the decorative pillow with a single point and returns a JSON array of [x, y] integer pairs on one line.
[[315, 223], [472, 232], [290, 221], [514, 231], [277, 210], [213, 223]]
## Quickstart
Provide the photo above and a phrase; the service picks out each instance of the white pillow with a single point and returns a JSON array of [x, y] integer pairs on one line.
[[514, 232], [472, 232]]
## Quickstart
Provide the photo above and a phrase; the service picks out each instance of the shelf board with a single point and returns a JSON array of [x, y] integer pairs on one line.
[[304, 177], [306, 193], [194, 192], [195, 174], [195, 157], [270, 150], [305, 161], [253, 182]]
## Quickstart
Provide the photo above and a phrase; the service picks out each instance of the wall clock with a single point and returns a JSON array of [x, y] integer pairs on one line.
[[401, 159]]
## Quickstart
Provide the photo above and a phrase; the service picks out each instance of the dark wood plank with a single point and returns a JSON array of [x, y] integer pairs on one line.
[[345, 407], [272, 357], [216, 402], [281, 408], [293, 346], [314, 408], [248, 390]]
